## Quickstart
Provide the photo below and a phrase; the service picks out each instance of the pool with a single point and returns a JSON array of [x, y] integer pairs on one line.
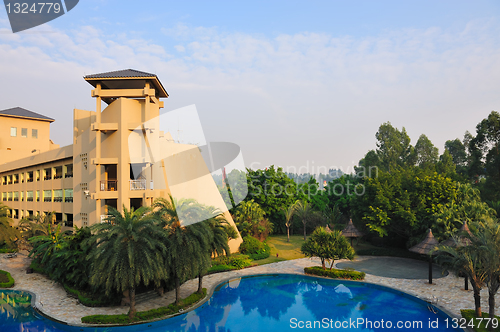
[[281, 302]]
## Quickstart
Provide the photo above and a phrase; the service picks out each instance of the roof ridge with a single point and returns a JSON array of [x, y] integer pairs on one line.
[[22, 112], [121, 73]]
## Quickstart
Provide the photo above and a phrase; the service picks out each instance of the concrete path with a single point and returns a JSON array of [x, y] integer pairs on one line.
[[394, 267], [53, 300]]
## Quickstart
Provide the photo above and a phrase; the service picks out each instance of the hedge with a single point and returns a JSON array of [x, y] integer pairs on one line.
[[146, 315], [254, 248], [479, 326], [9, 281], [220, 268], [86, 301], [334, 273]]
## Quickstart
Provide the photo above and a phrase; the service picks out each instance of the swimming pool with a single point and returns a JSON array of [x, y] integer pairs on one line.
[[280, 302]]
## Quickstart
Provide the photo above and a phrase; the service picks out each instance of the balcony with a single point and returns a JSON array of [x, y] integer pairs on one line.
[[9, 182], [68, 199], [104, 218], [47, 177], [16, 199], [10, 199], [29, 199], [110, 185], [68, 175], [4, 199], [16, 181], [137, 184], [47, 199], [58, 176], [58, 199], [29, 180]]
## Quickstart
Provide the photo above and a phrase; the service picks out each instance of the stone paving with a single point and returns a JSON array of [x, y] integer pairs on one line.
[[53, 301]]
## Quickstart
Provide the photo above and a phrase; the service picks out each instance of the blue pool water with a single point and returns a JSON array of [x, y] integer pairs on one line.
[[267, 303]]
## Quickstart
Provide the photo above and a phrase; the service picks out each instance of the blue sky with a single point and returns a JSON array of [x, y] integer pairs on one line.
[[293, 83]]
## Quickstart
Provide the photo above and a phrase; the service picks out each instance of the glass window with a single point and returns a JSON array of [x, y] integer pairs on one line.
[[34, 133], [13, 131], [24, 132]]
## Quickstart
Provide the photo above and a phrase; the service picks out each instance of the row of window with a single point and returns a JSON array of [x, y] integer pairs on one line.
[[66, 218], [48, 173], [57, 195], [24, 132]]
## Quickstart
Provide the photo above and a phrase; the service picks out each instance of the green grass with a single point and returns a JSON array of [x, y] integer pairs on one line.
[[470, 314], [6, 280], [285, 250]]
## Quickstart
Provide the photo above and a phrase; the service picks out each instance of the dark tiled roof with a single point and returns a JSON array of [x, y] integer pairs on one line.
[[121, 73], [24, 113]]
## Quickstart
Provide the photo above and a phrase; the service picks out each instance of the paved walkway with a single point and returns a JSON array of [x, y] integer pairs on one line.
[[394, 267], [53, 300]]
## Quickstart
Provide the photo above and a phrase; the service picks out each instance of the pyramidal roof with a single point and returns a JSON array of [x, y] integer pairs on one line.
[[126, 79], [24, 113], [121, 74]]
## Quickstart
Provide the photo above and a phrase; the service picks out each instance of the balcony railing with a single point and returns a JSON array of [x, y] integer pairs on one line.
[[16, 199], [10, 199], [137, 184], [68, 199], [9, 182], [110, 185], [16, 181], [4, 199], [38, 199], [29, 180], [58, 199], [58, 176], [104, 218], [68, 175], [47, 199], [29, 199], [47, 177]]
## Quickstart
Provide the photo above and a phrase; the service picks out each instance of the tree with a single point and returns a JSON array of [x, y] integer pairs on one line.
[[327, 246], [487, 242], [8, 234], [188, 246], [250, 220], [458, 152], [467, 260], [38, 225], [289, 212], [44, 246], [129, 250], [426, 154], [393, 147], [303, 211]]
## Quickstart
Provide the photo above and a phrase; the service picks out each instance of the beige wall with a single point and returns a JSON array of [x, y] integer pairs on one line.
[[13, 148]]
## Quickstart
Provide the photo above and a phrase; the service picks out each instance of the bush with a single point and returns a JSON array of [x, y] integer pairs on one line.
[[220, 268], [6, 280], [87, 300], [335, 273], [254, 248], [37, 267], [7, 251], [146, 315], [236, 261], [479, 326]]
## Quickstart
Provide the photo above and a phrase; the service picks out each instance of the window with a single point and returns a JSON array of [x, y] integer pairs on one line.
[[34, 133], [24, 132], [13, 131]]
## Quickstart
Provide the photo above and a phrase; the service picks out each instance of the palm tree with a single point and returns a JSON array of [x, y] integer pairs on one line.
[[8, 234], [128, 251], [188, 246], [467, 260], [44, 246], [34, 226], [487, 242], [303, 211], [289, 212]]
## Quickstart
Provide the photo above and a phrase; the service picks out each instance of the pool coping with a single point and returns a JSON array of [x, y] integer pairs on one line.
[[224, 281]]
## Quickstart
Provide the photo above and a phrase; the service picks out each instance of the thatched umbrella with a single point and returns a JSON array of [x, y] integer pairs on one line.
[[461, 241], [350, 231], [327, 229], [425, 248]]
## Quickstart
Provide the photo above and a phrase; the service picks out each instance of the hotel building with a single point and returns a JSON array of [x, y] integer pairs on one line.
[[118, 158]]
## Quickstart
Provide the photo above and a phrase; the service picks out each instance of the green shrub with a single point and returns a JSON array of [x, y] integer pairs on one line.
[[6, 280], [335, 273], [37, 267], [88, 300], [235, 261], [7, 250], [220, 268], [479, 326], [146, 315], [262, 255]]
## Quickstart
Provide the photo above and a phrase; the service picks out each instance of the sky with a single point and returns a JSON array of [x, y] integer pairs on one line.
[[302, 85]]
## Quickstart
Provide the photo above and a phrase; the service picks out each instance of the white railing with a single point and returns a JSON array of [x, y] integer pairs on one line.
[[137, 184], [104, 217]]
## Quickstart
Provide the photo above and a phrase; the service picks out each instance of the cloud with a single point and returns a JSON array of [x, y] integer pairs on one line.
[[285, 99]]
